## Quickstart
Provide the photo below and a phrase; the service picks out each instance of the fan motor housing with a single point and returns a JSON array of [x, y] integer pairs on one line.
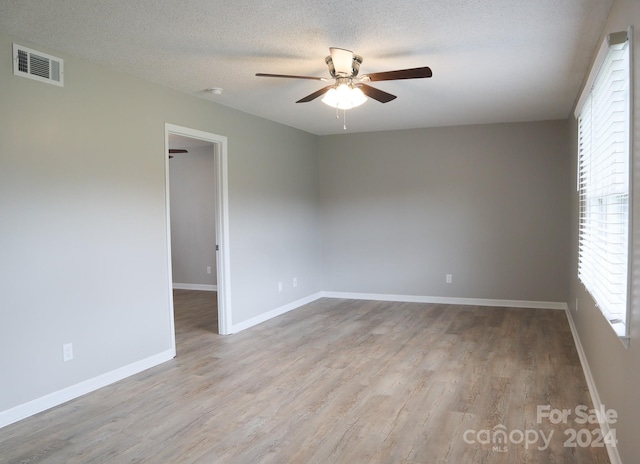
[[355, 67]]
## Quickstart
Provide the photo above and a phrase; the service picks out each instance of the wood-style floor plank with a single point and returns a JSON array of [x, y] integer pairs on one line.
[[336, 381]]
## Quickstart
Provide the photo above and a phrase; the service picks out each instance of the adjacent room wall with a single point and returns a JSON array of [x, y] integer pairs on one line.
[[487, 204], [615, 369], [84, 239], [193, 229]]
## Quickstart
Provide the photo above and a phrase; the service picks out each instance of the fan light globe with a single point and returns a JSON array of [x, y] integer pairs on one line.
[[344, 97]]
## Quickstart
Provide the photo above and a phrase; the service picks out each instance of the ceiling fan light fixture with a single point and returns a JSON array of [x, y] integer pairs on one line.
[[342, 61], [344, 97]]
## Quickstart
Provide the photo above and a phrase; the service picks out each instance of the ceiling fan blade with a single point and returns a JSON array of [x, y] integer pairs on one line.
[[376, 94], [315, 94], [177, 150], [292, 77], [413, 73]]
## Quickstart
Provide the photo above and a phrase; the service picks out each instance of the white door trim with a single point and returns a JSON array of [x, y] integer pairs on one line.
[[222, 222]]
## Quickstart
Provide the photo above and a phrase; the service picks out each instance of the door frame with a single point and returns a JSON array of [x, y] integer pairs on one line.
[[222, 223]]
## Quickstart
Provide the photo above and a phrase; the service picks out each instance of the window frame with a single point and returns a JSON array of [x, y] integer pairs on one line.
[[611, 41]]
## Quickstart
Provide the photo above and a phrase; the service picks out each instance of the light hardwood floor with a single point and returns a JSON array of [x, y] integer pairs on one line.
[[336, 381]]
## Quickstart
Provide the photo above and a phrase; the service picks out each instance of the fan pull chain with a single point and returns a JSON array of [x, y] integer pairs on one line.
[[344, 117]]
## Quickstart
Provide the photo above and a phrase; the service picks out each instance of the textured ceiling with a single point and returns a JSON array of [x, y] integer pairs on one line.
[[492, 60]]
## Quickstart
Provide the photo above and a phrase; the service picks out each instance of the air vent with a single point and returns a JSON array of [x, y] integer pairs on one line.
[[36, 65]]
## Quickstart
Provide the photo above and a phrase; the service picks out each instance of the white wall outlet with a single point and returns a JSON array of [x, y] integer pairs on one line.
[[208, 269], [295, 282], [449, 278], [67, 352], [279, 286]]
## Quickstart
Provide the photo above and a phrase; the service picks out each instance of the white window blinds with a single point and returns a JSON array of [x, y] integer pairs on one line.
[[603, 182]]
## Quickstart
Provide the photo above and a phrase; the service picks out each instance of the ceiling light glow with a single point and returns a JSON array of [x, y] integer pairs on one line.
[[344, 97]]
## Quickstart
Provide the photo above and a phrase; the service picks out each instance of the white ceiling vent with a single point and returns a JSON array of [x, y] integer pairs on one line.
[[36, 65]]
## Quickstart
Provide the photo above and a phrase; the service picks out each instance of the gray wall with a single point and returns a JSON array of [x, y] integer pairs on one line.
[[83, 238], [487, 204], [193, 229], [615, 369]]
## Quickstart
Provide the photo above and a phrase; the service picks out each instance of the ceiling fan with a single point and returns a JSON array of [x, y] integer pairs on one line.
[[349, 89]]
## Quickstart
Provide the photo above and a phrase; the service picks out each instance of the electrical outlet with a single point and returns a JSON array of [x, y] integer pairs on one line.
[[449, 278], [279, 286], [67, 352], [295, 282], [208, 269]]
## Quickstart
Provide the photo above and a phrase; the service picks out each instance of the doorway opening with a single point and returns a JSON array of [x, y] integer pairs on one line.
[[215, 244]]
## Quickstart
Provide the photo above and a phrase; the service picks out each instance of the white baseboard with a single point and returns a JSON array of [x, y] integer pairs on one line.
[[614, 455], [275, 312], [206, 288], [235, 328], [447, 300], [74, 391]]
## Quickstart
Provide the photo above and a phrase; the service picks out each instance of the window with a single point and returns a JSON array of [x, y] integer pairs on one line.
[[604, 180]]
